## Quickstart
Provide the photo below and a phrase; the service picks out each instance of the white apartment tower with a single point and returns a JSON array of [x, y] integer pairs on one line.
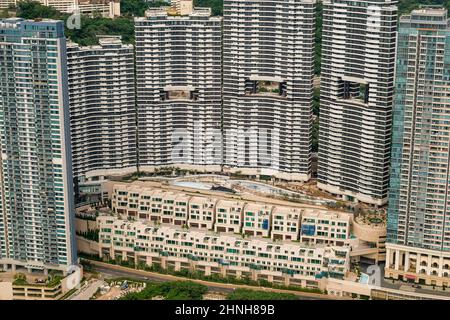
[[36, 185], [357, 92], [102, 108], [267, 87], [178, 69]]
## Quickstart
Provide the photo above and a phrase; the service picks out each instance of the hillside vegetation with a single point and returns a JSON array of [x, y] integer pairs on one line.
[[124, 26]]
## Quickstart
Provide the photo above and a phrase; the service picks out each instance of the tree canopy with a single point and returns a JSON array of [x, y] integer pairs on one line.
[[246, 294], [174, 290], [136, 8]]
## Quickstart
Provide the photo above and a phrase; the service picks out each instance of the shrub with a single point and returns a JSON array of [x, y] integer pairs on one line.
[[246, 294], [174, 290]]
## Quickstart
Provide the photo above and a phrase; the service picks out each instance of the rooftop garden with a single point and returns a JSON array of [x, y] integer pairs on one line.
[[20, 279]]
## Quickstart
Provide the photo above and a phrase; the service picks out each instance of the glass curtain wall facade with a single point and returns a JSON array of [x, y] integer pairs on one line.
[[418, 226], [418, 202], [36, 185]]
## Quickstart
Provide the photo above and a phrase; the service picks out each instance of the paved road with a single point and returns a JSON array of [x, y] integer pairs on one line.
[[109, 273], [112, 272], [87, 292], [405, 286]]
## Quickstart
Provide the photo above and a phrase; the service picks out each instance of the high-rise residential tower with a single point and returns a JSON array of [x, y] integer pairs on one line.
[[418, 229], [178, 69], [102, 109], [357, 92], [36, 187], [268, 74]]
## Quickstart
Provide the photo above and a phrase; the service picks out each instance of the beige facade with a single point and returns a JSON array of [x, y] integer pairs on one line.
[[106, 8], [356, 290], [229, 216], [371, 237], [10, 289], [224, 254], [286, 223], [87, 246], [329, 227], [309, 225], [20, 292], [417, 265], [150, 204], [84, 225], [257, 219], [183, 7], [202, 212]]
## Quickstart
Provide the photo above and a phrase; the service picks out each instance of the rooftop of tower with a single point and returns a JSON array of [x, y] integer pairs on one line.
[[430, 10], [174, 12], [16, 21], [178, 8], [109, 39], [427, 17], [37, 27], [103, 41]]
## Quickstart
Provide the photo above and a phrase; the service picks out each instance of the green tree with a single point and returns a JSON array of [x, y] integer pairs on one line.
[[246, 294], [174, 290], [315, 136], [318, 42], [136, 8], [33, 9], [316, 101], [215, 5]]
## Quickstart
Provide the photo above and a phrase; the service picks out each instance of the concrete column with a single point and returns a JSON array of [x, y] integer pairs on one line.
[[46, 272], [13, 267], [223, 271], [441, 266], [406, 261], [286, 280], [428, 264], [177, 265], [207, 271], [418, 263], [397, 259], [388, 258]]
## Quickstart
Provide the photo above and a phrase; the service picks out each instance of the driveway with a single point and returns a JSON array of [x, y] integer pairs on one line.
[[88, 290]]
